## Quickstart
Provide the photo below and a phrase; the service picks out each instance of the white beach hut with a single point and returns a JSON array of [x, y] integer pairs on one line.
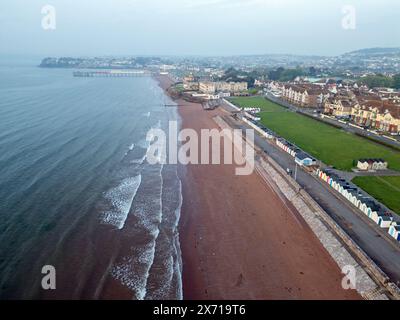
[[374, 216], [394, 231], [385, 221]]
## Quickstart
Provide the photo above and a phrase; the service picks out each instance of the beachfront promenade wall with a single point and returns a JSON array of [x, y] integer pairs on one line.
[[232, 105], [282, 143], [258, 129], [325, 228]]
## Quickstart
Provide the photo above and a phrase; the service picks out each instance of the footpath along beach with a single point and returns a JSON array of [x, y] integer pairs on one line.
[[239, 240]]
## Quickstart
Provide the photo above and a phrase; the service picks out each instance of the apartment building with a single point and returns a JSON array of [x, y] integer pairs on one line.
[[380, 115], [305, 95], [207, 87], [339, 106], [222, 86]]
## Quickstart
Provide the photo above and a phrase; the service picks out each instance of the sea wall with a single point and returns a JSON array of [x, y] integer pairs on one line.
[[338, 244]]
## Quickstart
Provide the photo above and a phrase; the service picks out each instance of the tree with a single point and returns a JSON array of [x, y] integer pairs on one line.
[[275, 74], [396, 81], [312, 71], [378, 80]]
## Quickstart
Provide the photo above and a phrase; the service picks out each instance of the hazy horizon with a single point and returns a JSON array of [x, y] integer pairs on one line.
[[197, 27]]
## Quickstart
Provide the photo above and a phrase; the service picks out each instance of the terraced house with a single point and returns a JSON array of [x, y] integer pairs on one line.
[[339, 107], [380, 115], [305, 95]]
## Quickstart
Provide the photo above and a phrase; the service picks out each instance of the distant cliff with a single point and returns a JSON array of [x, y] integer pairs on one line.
[[101, 63], [61, 63]]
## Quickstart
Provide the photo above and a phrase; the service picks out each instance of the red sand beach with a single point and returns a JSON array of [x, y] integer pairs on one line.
[[240, 241]]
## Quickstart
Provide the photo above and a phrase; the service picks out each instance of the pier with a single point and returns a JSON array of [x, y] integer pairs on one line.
[[112, 74]]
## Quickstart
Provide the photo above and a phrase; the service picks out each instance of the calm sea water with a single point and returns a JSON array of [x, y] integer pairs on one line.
[[76, 191]]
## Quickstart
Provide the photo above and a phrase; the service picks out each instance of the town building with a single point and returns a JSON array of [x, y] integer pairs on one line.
[[222, 86], [372, 164], [380, 115], [339, 107], [207, 87], [304, 95]]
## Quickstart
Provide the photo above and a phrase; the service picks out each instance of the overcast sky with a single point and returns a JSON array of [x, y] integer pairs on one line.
[[197, 27]]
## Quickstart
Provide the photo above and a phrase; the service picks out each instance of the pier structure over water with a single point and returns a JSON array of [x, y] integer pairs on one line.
[[112, 74]]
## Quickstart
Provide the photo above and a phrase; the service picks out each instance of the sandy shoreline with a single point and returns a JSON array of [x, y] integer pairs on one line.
[[239, 241]]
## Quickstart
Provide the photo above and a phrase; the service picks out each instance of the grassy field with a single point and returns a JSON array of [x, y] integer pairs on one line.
[[333, 146], [384, 189]]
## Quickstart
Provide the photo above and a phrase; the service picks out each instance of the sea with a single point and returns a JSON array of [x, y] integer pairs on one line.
[[76, 191]]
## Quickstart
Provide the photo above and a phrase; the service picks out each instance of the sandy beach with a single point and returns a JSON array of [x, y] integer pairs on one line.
[[240, 241]]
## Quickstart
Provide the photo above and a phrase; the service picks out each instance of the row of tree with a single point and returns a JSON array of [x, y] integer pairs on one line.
[[282, 74], [380, 80], [234, 75]]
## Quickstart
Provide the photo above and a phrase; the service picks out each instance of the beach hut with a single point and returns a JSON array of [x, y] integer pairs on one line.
[[394, 231], [385, 221], [383, 165], [375, 211], [353, 198], [362, 165], [350, 195], [371, 164], [364, 208], [375, 217]]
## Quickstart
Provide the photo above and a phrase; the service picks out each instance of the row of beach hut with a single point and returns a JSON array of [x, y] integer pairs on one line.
[[366, 204], [287, 147], [269, 134], [252, 110], [302, 158], [372, 164]]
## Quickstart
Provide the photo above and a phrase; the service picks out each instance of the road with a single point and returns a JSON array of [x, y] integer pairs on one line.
[[379, 246]]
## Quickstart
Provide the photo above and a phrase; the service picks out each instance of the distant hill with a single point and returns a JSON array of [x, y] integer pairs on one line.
[[374, 52]]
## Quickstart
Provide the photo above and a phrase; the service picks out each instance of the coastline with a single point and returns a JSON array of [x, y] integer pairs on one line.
[[233, 242]]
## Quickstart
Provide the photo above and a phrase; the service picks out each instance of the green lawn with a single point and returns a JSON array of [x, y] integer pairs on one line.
[[333, 146], [384, 189]]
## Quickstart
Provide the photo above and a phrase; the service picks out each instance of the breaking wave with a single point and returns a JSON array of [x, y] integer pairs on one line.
[[121, 198]]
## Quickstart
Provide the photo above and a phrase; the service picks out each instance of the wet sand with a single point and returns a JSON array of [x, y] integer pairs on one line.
[[240, 241]]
